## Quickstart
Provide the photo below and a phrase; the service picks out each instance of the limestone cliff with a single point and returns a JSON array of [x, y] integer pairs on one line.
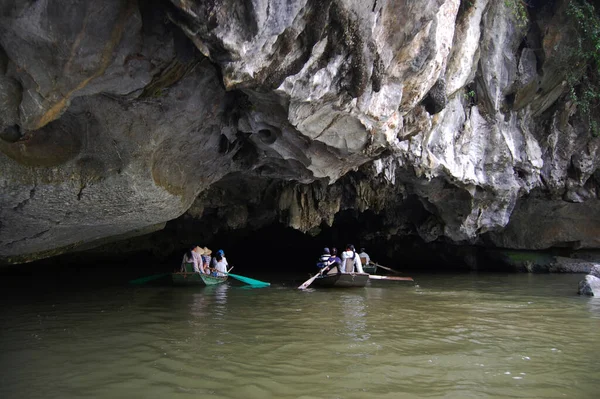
[[449, 120]]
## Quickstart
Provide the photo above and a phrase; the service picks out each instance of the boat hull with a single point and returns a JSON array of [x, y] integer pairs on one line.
[[212, 280], [184, 278], [370, 269], [342, 280]]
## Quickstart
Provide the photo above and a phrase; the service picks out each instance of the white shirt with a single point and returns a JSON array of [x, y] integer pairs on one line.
[[221, 267], [198, 264], [356, 260], [196, 260], [365, 255]]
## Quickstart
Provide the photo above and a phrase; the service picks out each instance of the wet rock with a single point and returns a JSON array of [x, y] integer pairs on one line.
[[591, 284]]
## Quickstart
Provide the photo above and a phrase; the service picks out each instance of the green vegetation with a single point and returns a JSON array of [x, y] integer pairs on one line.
[[583, 62], [528, 261], [466, 4], [523, 256], [470, 96], [519, 11]]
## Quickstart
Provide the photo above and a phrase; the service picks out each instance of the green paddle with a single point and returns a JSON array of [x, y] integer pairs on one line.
[[144, 280], [251, 281]]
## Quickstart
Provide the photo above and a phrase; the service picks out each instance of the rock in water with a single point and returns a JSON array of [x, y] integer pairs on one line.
[[591, 284]]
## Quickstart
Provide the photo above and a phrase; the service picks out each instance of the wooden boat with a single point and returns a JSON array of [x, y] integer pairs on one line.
[[371, 268], [191, 278], [212, 280], [342, 280], [390, 278]]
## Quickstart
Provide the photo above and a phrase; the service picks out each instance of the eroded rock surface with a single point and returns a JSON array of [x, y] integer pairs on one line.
[[449, 120], [590, 286]]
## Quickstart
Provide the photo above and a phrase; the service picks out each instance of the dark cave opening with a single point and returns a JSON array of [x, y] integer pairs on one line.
[[275, 248], [270, 252]]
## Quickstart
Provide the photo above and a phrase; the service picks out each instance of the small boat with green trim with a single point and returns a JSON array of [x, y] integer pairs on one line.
[[212, 280], [189, 277], [192, 278]]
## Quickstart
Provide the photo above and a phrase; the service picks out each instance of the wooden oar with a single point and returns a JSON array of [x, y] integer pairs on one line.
[[308, 282], [144, 280], [376, 277], [387, 268]]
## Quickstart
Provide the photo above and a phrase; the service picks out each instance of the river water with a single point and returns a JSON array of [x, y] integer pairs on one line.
[[447, 336]]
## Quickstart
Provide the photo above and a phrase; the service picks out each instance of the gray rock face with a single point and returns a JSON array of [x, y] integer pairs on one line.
[[568, 265], [553, 223], [115, 162], [118, 116]]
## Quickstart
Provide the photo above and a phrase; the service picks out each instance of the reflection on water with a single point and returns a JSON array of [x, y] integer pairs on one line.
[[209, 300], [594, 306], [452, 336], [221, 294], [353, 311]]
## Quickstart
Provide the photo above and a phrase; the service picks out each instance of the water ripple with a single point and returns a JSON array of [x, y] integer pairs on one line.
[[483, 337]]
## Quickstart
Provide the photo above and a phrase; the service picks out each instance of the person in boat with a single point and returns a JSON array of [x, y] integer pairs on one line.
[[220, 264], [192, 257], [188, 259], [206, 259], [199, 251], [334, 261], [365, 256], [324, 259], [351, 260]]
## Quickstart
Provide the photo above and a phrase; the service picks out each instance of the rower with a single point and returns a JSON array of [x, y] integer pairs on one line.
[[364, 257]]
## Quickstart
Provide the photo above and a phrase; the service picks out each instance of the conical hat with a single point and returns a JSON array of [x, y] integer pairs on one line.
[[207, 251], [199, 250]]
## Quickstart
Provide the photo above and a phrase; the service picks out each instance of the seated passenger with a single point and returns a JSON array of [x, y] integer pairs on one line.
[[334, 262], [199, 263], [324, 259], [220, 264], [192, 261], [351, 260], [187, 263], [206, 259]]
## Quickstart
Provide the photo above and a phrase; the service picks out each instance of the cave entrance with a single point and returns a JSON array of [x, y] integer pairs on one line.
[[277, 248], [272, 249]]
